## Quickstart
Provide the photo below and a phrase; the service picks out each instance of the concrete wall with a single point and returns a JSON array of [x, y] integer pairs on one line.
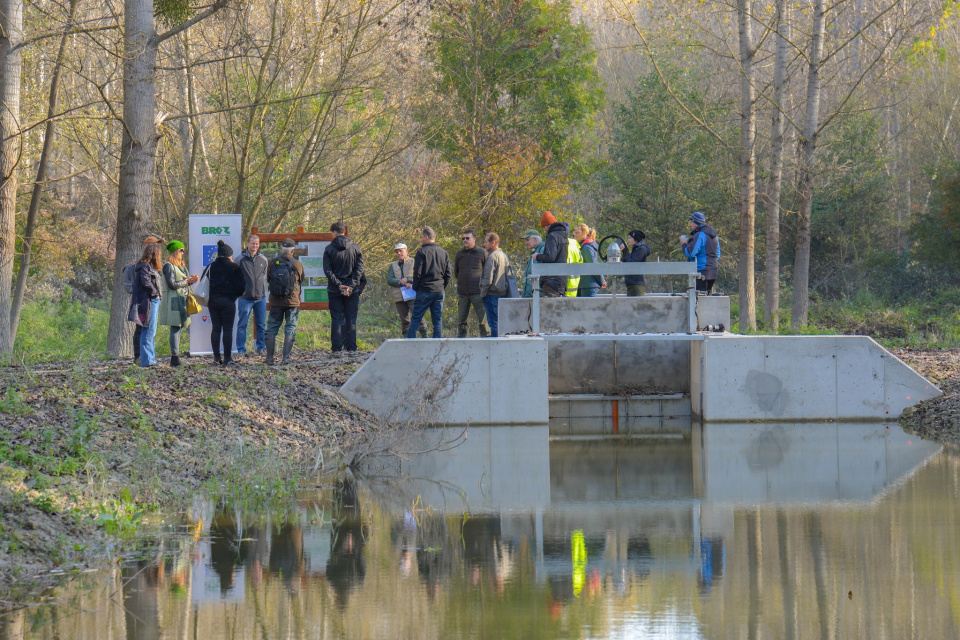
[[653, 313], [619, 366], [802, 378], [592, 415], [486, 381]]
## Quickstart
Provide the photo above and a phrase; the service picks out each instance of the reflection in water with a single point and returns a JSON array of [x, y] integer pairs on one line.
[[758, 531]]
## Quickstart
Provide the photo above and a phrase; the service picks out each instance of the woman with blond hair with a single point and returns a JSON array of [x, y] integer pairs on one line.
[[145, 307], [176, 288], [590, 251]]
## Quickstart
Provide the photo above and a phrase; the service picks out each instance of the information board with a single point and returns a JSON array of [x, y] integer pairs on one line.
[[205, 231]]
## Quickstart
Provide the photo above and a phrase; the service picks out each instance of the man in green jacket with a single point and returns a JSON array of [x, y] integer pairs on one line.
[[534, 243], [397, 271]]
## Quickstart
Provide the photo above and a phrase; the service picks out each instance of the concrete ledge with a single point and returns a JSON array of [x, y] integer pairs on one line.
[[488, 381], [800, 378]]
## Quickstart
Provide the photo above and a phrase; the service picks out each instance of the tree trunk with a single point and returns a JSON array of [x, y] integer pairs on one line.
[[49, 137], [137, 159], [799, 314], [771, 296], [11, 63], [748, 169]]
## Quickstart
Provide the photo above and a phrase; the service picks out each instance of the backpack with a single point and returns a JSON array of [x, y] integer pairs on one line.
[[573, 257], [129, 274], [283, 278]]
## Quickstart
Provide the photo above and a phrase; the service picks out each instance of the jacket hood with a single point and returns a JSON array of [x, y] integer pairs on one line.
[[340, 242], [592, 243], [707, 229], [559, 227]]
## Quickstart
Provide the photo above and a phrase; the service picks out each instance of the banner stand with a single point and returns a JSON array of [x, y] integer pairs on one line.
[[205, 231]]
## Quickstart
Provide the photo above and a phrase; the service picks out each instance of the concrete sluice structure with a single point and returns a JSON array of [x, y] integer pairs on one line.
[[617, 365]]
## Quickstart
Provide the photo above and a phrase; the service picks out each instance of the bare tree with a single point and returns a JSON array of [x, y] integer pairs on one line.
[[748, 167], [11, 62]]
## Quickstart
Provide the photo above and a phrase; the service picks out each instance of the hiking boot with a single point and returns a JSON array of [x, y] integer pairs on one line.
[[261, 352], [271, 348], [287, 348], [174, 361]]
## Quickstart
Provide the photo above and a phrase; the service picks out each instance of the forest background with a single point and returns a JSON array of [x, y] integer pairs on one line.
[[818, 136]]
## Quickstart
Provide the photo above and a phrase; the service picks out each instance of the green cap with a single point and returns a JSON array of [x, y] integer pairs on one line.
[[530, 233], [174, 245]]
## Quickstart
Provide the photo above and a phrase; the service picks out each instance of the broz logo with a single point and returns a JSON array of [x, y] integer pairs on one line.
[[215, 231]]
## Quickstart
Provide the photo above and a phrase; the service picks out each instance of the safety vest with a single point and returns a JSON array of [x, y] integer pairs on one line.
[[573, 257]]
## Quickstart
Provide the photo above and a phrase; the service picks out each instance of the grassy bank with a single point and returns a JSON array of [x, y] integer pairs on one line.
[[94, 448]]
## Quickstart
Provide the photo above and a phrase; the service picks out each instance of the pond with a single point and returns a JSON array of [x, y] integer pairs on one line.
[[742, 530]]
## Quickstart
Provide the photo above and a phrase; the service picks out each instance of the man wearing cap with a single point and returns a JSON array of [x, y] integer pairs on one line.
[[402, 269], [704, 247], [554, 252], [533, 242], [284, 277], [254, 266], [343, 266], [468, 269], [637, 251]]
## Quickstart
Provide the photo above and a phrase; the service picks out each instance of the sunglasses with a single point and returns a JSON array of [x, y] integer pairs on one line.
[[467, 238]]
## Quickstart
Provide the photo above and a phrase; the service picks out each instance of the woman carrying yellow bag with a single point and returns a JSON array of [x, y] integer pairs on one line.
[[175, 304]]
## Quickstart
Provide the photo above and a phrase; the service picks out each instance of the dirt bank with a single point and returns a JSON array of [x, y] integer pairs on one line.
[[92, 449], [937, 419]]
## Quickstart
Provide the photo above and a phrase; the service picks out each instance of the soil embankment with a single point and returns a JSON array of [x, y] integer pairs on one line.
[[90, 449], [937, 419]]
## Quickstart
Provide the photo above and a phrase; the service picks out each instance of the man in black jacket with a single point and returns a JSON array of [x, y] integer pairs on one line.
[[254, 298], [468, 269], [343, 266], [431, 275], [554, 252]]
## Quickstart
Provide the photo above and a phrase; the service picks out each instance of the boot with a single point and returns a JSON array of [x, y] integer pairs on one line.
[[271, 348], [175, 361], [287, 348]]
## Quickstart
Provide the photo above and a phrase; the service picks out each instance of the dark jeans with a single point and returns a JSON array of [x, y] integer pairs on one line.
[[175, 340], [636, 289], [222, 314], [286, 317], [259, 309], [343, 321], [405, 310], [432, 301], [490, 305], [705, 285], [136, 341]]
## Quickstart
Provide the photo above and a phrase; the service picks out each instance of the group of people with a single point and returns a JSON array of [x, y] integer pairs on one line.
[[161, 292]]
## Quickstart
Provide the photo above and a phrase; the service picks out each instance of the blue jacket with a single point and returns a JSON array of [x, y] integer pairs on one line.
[[704, 247], [591, 253]]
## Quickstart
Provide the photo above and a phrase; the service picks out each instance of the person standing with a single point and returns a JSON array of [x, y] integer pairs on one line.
[[637, 251], [226, 285], [468, 269], [129, 278], [147, 293], [397, 271], [253, 264], [554, 252], [343, 266], [493, 283], [284, 277], [590, 253], [533, 242], [704, 247], [431, 275], [173, 303]]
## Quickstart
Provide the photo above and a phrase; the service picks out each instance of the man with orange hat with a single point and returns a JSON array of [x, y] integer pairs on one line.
[[554, 252]]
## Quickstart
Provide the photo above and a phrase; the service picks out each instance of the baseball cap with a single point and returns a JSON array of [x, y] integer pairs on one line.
[[400, 245], [289, 242], [530, 233]]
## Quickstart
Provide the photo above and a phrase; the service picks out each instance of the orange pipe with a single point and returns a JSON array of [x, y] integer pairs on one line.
[[616, 416]]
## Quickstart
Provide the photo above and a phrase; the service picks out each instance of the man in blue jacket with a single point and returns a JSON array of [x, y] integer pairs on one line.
[[704, 247]]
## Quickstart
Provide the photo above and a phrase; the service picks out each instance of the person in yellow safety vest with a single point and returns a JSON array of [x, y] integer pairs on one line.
[[573, 257]]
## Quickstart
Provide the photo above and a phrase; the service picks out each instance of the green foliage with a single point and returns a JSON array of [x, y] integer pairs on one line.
[[62, 330], [937, 233], [516, 89], [664, 166], [172, 12]]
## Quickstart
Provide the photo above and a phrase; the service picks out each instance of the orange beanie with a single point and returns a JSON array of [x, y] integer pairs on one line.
[[547, 219]]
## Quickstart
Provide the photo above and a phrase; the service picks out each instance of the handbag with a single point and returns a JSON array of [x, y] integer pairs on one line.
[[513, 291], [201, 290], [193, 306]]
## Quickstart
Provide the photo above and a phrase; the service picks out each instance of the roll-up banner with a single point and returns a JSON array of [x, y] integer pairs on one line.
[[205, 231]]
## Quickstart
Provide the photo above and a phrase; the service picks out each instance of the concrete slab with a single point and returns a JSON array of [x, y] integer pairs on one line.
[[491, 381], [800, 378]]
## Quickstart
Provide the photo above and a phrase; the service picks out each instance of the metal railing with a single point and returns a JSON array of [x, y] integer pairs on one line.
[[573, 270]]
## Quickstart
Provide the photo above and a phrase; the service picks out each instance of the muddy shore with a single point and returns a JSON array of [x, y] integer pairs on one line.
[[937, 419], [91, 451]]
